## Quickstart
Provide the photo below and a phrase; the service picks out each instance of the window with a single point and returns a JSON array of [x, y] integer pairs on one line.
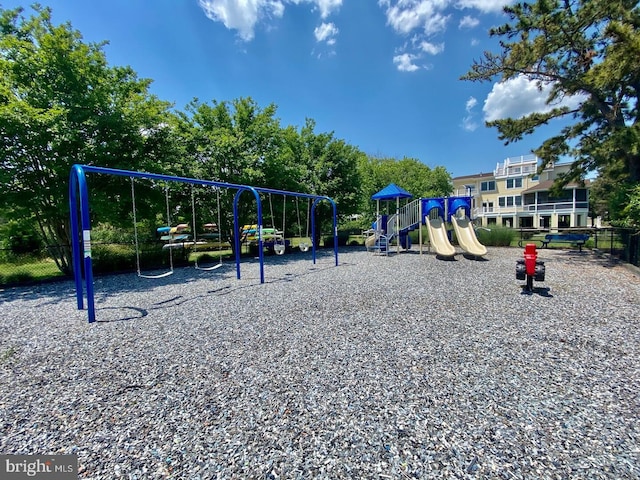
[[565, 196], [526, 222], [514, 182], [510, 201], [545, 221], [487, 186]]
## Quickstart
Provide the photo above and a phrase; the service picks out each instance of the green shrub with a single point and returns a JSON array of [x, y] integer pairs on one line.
[[118, 257], [207, 258], [496, 236], [415, 236], [105, 233], [356, 226], [343, 240], [20, 238], [113, 257], [17, 277]]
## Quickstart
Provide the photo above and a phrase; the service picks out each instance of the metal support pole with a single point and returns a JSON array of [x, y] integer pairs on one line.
[[79, 198]]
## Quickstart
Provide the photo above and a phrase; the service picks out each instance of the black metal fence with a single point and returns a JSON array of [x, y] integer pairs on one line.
[[27, 268], [39, 266], [623, 243]]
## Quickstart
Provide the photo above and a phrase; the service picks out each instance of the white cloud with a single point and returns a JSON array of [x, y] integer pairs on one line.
[[328, 6], [407, 15], [432, 48], [472, 102], [326, 32], [244, 15], [468, 22], [404, 62], [518, 97], [468, 122], [436, 24], [485, 6], [241, 16]]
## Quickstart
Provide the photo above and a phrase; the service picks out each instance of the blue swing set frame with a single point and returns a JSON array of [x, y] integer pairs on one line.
[[80, 222]]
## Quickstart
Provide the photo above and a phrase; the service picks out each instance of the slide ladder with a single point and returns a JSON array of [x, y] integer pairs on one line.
[[407, 219]]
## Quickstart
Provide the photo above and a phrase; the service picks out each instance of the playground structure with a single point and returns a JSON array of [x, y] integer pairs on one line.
[[530, 268], [431, 212], [81, 223], [459, 211]]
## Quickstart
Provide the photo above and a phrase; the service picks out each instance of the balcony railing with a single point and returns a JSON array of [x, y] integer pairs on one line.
[[517, 166], [515, 171], [560, 207]]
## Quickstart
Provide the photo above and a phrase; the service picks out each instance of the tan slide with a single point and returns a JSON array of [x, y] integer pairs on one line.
[[466, 236], [370, 241], [438, 237]]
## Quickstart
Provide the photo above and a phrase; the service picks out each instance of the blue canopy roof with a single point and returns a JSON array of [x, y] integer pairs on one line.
[[391, 191]]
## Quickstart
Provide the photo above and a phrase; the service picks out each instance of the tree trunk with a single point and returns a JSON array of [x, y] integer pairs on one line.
[[633, 166], [57, 241]]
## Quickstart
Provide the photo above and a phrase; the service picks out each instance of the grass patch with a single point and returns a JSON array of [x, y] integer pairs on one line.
[[210, 257], [28, 271]]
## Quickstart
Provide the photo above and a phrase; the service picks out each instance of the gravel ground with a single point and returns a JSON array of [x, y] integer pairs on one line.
[[404, 366]]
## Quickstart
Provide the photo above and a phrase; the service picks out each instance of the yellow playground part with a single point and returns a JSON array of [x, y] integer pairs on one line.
[[466, 236], [438, 237]]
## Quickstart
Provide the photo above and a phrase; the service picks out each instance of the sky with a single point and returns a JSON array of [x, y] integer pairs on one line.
[[382, 75]]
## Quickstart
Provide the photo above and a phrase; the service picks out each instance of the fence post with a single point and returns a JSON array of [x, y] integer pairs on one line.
[[611, 243]]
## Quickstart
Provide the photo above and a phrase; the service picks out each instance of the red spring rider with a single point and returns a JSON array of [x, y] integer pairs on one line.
[[530, 267]]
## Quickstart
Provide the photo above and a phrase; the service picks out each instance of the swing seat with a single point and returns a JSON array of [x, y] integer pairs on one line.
[[304, 247], [208, 269], [279, 248], [161, 275]]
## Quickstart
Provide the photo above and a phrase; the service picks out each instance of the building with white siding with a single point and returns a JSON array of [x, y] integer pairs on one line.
[[515, 195]]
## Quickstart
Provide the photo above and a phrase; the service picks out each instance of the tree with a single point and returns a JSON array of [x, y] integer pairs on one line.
[[231, 141], [239, 142], [60, 104], [414, 176], [235, 142], [326, 165], [589, 48]]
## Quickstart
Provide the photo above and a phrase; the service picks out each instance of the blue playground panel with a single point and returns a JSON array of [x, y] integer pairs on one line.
[[429, 204], [456, 203]]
